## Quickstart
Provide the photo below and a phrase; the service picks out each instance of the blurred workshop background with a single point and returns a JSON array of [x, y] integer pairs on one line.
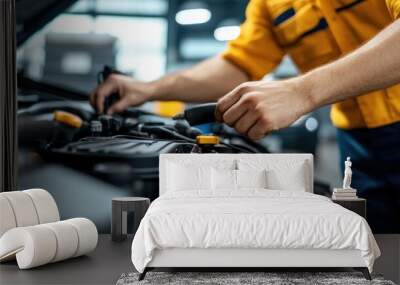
[[148, 38]]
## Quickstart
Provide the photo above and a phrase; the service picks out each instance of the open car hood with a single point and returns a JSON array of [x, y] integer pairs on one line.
[[32, 15]]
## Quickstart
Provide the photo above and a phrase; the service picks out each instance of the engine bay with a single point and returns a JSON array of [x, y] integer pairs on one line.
[[121, 148]]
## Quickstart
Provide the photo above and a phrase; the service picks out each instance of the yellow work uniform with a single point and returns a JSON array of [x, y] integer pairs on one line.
[[315, 32]]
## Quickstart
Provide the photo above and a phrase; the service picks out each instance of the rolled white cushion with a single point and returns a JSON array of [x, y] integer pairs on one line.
[[87, 234], [7, 218], [46, 207], [41, 244], [23, 208], [33, 246], [26, 208], [67, 240]]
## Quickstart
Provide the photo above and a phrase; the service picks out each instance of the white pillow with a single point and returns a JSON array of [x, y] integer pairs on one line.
[[293, 180], [282, 174], [251, 178], [182, 177], [223, 179], [230, 180]]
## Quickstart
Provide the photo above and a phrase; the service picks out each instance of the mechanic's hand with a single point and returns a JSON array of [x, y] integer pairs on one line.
[[130, 91], [259, 107]]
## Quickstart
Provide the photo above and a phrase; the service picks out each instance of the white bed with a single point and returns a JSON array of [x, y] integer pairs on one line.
[[210, 226]]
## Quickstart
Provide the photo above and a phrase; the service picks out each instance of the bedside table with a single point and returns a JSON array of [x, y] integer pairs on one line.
[[357, 205], [120, 208]]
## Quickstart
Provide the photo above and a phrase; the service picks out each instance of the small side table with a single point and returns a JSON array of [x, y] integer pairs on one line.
[[120, 208], [357, 205]]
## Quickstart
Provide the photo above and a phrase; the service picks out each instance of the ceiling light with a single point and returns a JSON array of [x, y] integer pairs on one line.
[[227, 33], [193, 13], [311, 124]]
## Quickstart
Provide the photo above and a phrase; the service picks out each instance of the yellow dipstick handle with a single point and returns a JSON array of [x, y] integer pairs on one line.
[[204, 139], [68, 119]]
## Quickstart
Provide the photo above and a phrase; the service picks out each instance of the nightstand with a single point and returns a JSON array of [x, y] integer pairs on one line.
[[120, 208], [357, 205]]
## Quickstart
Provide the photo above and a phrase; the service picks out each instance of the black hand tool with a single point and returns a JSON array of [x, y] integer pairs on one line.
[[200, 114]]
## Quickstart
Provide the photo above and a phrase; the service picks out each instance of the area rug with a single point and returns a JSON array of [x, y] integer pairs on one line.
[[244, 278]]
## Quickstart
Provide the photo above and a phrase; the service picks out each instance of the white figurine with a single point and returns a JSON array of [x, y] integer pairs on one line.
[[347, 174]]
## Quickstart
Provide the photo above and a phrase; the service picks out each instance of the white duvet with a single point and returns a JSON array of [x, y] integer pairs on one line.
[[251, 219]]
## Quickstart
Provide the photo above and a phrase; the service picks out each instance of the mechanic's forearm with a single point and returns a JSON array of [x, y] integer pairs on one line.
[[374, 66], [205, 82]]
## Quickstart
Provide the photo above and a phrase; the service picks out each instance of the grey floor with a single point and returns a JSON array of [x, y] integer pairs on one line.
[[388, 264], [106, 264], [103, 266]]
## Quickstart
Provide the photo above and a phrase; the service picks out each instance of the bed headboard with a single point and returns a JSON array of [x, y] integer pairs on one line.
[[211, 159]]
